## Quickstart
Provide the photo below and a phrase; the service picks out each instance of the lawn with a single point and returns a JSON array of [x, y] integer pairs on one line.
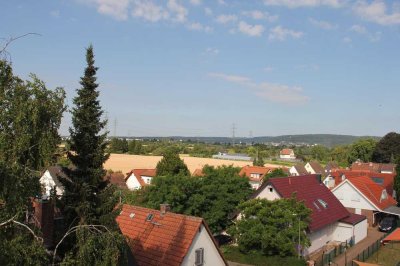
[[232, 253], [388, 255]]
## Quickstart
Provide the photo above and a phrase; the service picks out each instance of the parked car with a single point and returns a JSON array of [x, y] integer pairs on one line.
[[387, 223]]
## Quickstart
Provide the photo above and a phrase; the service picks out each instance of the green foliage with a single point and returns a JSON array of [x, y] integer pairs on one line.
[[214, 196], [278, 172], [272, 227], [387, 149], [171, 164], [362, 150], [134, 147], [232, 253], [258, 160], [118, 146], [87, 198], [396, 183], [30, 116]]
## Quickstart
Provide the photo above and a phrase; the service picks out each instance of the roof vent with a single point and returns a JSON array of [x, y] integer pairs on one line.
[[131, 215], [323, 203]]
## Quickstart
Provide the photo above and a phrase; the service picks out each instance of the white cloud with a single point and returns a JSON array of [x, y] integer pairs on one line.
[[149, 11], [268, 69], [117, 9], [291, 95], [359, 29], [279, 33], [259, 15], [196, 2], [221, 2], [211, 50], [208, 11], [376, 12], [347, 40], [373, 37], [199, 27], [178, 10], [305, 3], [325, 25], [250, 30], [55, 13], [224, 19], [282, 93], [230, 78]]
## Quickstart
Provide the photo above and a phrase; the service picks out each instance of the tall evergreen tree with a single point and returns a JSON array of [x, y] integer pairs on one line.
[[88, 200], [87, 144]]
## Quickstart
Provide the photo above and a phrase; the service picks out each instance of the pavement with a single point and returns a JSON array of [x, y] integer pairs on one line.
[[372, 237]]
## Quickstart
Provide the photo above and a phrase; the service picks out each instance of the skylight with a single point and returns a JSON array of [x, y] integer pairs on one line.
[[323, 203], [316, 206], [149, 217]]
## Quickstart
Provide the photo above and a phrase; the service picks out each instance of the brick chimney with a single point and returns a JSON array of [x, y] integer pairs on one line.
[[164, 208], [44, 214]]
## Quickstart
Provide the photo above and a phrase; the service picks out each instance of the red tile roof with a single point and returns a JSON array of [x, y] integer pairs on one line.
[[314, 193], [373, 167], [353, 219], [165, 240], [248, 170], [141, 172], [286, 152], [372, 191], [388, 179], [117, 179]]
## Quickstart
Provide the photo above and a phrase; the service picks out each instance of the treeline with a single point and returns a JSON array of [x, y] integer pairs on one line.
[[364, 149]]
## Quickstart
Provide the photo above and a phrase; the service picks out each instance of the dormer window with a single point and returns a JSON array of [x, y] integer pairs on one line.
[[384, 195]]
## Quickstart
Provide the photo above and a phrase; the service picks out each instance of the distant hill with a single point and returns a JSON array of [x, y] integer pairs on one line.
[[328, 140]]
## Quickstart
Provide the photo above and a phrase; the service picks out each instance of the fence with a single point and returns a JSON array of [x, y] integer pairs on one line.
[[328, 256], [366, 253]]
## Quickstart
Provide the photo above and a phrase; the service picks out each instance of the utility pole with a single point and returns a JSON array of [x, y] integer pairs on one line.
[[233, 134]]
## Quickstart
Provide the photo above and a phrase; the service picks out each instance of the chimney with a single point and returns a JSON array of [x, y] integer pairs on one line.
[[164, 208], [44, 214]]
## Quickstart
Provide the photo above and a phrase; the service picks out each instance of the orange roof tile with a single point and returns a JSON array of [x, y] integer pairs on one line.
[[286, 151], [372, 191], [139, 173], [394, 236], [165, 240], [249, 170]]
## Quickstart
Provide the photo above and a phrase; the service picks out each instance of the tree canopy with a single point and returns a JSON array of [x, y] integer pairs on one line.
[[388, 149], [362, 150], [171, 164], [278, 172], [272, 227], [213, 196]]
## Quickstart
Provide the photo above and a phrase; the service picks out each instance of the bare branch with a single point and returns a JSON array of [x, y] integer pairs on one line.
[[12, 220], [90, 227], [3, 50]]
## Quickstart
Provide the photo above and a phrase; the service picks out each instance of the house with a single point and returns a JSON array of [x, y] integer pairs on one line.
[[235, 157], [314, 167], [160, 237], [287, 154], [138, 178], [117, 179], [330, 166], [298, 169], [386, 168], [330, 220], [51, 179], [361, 195], [255, 174]]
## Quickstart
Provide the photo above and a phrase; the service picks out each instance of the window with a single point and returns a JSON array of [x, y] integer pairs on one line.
[[384, 195], [271, 189], [316, 206], [199, 261], [378, 180], [323, 203], [149, 217]]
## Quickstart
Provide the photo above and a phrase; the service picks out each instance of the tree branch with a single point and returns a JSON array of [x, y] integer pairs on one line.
[[12, 220]]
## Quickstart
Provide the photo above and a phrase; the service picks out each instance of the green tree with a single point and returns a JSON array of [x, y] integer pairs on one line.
[[362, 150], [171, 164], [387, 149], [213, 196], [340, 154], [258, 159], [88, 199], [30, 116], [134, 147], [272, 227], [118, 145], [278, 172], [396, 183]]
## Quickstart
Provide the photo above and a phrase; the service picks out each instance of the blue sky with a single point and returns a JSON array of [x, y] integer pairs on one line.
[[195, 67]]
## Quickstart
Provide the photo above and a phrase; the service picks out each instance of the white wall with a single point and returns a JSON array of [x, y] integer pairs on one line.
[[211, 254], [361, 231], [319, 238], [287, 156], [351, 198], [309, 168], [266, 193], [343, 232], [293, 171], [132, 183], [48, 183], [147, 179], [254, 184]]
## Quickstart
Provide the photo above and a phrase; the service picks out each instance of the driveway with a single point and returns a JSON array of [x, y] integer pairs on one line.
[[372, 237]]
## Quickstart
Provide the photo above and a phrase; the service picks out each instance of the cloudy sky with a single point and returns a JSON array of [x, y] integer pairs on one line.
[[195, 67]]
